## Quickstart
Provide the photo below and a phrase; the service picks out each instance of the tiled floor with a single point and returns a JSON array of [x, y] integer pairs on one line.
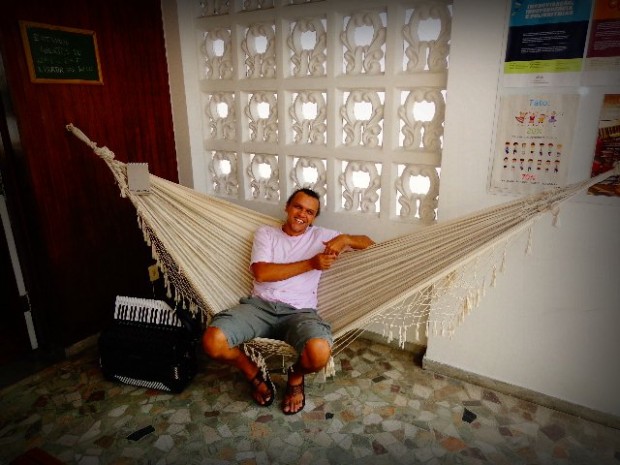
[[379, 409]]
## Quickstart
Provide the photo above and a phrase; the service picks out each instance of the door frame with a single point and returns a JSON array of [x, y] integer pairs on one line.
[[17, 271], [13, 208]]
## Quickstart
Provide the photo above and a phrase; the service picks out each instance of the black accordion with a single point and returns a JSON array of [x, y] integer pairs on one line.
[[150, 345]]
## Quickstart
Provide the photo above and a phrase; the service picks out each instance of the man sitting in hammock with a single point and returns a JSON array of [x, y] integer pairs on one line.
[[286, 263]]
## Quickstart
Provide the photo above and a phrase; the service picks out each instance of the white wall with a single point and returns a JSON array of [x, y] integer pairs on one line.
[[181, 49], [551, 323], [183, 57]]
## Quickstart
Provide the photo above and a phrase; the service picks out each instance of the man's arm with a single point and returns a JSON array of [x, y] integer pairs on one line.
[[269, 272], [344, 241]]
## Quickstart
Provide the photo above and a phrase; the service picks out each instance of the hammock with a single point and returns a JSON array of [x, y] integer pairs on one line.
[[202, 245]]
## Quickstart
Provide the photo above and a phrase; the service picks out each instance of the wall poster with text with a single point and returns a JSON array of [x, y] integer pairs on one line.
[[607, 151], [602, 65], [533, 142], [546, 42]]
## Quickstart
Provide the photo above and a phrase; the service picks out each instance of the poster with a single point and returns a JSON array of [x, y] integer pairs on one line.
[[602, 64], [607, 151], [546, 42], [533, 142]]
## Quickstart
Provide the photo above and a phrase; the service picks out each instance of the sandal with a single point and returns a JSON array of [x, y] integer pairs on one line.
[[294, 391], [255, 383]]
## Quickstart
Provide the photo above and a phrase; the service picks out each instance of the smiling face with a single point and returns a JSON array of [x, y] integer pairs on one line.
[[301, 212]]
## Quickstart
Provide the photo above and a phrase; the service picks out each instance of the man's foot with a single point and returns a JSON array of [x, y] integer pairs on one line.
[[294, 397], [263, 390]]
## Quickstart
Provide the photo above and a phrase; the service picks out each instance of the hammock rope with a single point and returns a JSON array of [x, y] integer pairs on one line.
[[203, 244]]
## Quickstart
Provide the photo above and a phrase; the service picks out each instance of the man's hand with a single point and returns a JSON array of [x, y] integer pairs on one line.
[[322, 261], [336, 245]]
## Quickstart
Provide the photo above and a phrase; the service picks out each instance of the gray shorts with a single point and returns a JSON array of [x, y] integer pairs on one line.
[[255, 317]]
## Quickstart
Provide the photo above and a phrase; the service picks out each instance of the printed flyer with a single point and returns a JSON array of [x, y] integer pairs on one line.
[[546, 42], [602, 66], [533, 142], [607, 151]]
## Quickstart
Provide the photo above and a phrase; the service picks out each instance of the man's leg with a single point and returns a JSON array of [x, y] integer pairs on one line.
[[311, 337], [229, 329], [215, 345], [314, 357]]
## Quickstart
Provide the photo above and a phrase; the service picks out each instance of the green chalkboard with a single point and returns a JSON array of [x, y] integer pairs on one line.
[[60, 54]]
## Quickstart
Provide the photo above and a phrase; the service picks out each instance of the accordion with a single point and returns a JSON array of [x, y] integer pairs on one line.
[[150, 345]]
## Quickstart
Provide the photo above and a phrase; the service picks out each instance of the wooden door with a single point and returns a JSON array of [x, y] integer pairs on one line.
[[81, 240]]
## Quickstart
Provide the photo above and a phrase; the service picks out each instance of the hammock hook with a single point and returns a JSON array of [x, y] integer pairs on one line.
[[103, 152], [80, 135]]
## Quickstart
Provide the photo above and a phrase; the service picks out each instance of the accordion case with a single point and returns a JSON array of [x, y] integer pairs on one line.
[[149, 345]]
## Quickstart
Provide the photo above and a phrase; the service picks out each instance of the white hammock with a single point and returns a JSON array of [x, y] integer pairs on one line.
[[203, 244]]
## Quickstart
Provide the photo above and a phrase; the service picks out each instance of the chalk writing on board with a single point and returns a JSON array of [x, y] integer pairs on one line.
[[60, 54]]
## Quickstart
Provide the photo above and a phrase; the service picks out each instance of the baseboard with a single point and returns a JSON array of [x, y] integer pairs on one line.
[[36, 456], [81, 346], [538, 398]]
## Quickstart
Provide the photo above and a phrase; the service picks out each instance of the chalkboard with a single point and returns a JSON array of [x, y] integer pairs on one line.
[[61, 54]]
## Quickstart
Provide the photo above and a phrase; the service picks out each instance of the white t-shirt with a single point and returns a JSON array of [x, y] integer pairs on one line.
[[272, 245]]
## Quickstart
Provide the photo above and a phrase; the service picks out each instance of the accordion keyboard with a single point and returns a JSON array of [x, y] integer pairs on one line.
[[152, 312]]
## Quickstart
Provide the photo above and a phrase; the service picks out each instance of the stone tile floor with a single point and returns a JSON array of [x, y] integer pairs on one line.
[[380, 408]]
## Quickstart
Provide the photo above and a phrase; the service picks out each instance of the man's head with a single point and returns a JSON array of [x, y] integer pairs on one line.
[[302, 207]]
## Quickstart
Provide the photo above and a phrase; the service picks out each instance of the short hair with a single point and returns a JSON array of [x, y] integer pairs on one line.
[[309, 192]]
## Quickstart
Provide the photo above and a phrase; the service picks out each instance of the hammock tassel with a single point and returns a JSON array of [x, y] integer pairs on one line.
[[530, 241], [168, 286], [467, 305], [330, 368], [402, 335], [555, 211], [193, 307]]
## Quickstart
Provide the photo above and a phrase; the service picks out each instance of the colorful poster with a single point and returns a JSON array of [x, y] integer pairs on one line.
[[546, 42], [602, 66], [533, 142], [607, 151]]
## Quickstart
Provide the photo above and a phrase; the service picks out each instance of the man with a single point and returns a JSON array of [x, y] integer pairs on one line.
[[287, 263]]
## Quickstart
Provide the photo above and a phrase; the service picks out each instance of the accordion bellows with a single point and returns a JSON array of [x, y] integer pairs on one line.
[[149, 346]]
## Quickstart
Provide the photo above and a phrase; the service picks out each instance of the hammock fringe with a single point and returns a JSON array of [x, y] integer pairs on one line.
[[258, 359]]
